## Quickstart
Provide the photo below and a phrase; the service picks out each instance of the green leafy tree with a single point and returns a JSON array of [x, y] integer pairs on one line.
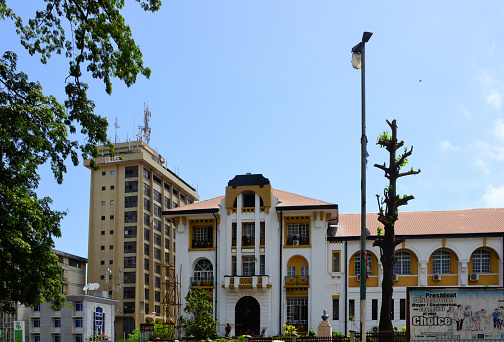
[[36, 128], [133, 337], [201, 324], [389, 215], [162, 330]]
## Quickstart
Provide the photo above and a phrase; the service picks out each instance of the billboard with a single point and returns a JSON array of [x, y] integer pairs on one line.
[[455, 313], [19, 331]]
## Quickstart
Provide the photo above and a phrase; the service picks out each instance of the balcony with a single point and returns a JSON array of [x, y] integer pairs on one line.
[[207, 282], [202, 244], [297, 241], [257, 283], [247, 241], [297, 281]]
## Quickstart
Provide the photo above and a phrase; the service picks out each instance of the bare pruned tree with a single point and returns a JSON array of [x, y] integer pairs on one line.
[[388, 215]]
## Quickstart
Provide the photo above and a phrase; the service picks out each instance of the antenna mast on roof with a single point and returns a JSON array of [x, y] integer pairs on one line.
[[116, 125], [145, 130]]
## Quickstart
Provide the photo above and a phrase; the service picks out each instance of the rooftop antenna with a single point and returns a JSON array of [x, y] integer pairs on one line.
[[145, 131], [116, 125]]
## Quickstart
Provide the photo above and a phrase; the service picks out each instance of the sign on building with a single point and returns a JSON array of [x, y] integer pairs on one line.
[[19, 331], [112, 159], [455, 313]]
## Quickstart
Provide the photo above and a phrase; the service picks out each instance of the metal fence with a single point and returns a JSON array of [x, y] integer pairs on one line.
[[370, 337]]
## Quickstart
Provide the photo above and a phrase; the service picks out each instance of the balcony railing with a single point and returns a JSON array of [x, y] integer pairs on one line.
[[294, 241], [255, 281], [247, 241], [297, 281], [208, 281], [202, 243]]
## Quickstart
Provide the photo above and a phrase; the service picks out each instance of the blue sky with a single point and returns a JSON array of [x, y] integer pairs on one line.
[[268, 87]]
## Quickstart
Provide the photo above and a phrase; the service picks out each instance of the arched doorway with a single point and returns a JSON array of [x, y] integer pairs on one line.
[[247, 316]]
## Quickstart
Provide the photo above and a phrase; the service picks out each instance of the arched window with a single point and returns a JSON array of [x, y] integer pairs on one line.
[[441, 262], [203, 270], [248, 199], [98, 321], [358, 263], [403, 263], [481, 261]]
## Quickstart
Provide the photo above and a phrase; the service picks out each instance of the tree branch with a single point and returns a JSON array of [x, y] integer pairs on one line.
[[408, 173], [379, 205], [399, 240], [383, 219], [404, 200], [378, 242], [382, 167], [404, 156]]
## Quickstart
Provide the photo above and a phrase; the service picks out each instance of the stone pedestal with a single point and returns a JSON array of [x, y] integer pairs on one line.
[[324, 329]]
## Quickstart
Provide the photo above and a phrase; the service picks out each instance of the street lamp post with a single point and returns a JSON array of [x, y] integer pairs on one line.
[[359, 62]]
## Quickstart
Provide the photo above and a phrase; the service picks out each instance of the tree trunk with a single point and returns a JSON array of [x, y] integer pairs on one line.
[[388, 217]]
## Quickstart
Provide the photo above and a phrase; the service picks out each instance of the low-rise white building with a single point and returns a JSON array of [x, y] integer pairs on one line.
[[82, 315], [269, 257]]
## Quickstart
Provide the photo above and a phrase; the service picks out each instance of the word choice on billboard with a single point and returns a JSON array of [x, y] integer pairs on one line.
[[429, 321]]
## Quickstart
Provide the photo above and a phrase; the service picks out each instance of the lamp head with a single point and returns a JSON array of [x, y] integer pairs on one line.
[[366, 36]]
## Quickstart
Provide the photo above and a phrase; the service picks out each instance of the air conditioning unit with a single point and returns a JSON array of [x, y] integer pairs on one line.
[[295, 242], [395, 277], [358, 277], [436, 277], [473, 277]]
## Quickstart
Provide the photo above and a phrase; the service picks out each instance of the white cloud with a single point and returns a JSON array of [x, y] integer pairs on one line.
[[486, 80], [482, 166], [446, 146], [488, 152], [499, 129], [494, 197], [490, 86], [494, 99], [487, 157]]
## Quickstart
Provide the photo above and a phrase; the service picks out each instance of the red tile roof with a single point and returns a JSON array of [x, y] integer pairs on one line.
[[286, 199], [208, 204], [429, 222]]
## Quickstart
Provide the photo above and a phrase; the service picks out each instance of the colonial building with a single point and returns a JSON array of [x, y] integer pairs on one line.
[[456, 248], [255, 250], [130, 243], [269, 257]]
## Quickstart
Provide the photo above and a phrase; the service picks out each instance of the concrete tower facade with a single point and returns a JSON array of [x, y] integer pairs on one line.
[[130, 243]]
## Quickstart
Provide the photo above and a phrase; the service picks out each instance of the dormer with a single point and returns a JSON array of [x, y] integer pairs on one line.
[[248, 186]]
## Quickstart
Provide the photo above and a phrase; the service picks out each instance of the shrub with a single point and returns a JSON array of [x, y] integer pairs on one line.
[[289, 330]]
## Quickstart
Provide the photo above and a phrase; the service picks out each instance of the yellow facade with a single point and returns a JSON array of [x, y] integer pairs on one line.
[[373, 277], [450, 279], [130, 242], [74, 273]]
